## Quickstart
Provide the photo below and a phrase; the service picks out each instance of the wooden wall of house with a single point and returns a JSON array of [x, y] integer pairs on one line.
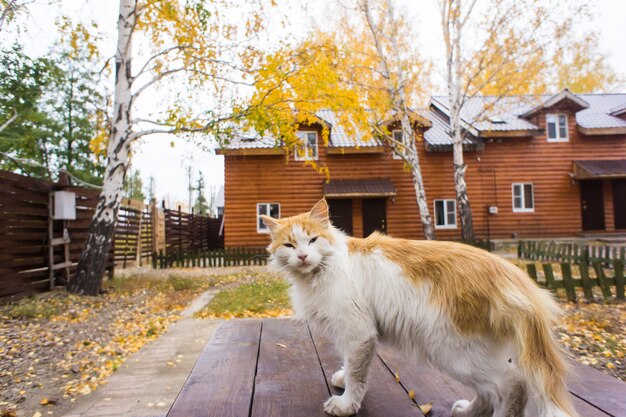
[[491, 172], [547, 166]]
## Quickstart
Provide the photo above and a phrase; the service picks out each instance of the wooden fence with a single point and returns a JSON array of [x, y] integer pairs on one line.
[[24, 227], [234, 256], [188, 233], [134, 241], [568, 252], [573, 266]]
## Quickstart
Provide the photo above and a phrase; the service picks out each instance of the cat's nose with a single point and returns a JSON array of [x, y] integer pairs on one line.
[[302, 257]]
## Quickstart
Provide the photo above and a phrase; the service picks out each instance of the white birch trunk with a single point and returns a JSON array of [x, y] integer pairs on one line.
[[452, 26], [412, 158], [93, 259], [409, 148]]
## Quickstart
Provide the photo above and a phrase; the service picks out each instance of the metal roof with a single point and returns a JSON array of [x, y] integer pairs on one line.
[[338, 135], [381, 187], [490, 113], [479, 113], [611, 168], [251, 140], [439, 134], [598, 115]]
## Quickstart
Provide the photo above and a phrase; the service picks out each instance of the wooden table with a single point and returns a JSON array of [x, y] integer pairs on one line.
[[278, 367]]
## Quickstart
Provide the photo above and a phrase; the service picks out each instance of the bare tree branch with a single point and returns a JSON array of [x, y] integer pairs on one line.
[[9, 120]]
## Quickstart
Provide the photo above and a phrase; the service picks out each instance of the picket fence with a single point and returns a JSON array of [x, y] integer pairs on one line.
[[232, 256], [572, 266]]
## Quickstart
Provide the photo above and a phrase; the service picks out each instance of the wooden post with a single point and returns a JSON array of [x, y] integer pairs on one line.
[[139, 245], [532, 270], [566, 271], [50, 234], [587, 284], [606, 290], [549, 273], [618, 264]]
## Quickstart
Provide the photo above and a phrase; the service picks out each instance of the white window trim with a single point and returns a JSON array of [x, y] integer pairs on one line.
[[522, 210], [258, 229], [394, 155], [557, 139], [445, 209], [296, 155]]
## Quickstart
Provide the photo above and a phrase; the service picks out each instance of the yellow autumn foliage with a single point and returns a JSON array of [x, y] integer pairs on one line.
[[338, 69]]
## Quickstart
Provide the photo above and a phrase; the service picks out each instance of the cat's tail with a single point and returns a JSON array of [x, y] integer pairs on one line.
[[542, 361]]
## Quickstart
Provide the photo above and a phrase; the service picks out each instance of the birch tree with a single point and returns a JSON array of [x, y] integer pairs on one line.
[[383, 23], [10, 9], [193, 43], [366, 68], [499, 47]]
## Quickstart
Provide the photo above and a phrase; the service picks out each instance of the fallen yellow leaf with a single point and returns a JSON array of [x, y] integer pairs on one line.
[[426, 408], [397, 378], [412, 394]]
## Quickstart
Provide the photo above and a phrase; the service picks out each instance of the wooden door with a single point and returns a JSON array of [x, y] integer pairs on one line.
[[341, 214], [619, 203], [592, 205], [374, 216]]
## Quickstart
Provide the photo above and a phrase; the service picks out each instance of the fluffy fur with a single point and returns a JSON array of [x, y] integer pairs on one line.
[[465, 311]]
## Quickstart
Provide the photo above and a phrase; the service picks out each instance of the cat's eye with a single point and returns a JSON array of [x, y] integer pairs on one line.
[[313, 240], [289, 245]]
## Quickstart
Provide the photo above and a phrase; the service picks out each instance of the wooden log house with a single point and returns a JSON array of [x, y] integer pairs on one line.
[[536, 167]]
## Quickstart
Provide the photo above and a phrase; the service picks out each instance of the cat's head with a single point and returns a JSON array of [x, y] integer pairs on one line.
[[302, 243]]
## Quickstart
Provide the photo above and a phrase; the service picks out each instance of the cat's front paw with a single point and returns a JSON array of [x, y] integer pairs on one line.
[[338, 379], [340, 405]]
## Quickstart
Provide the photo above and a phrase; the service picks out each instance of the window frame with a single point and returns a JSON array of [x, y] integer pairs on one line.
[[445, 210], [394, 155], [523, 209], [558, 138], [266, 229], [305, 142]]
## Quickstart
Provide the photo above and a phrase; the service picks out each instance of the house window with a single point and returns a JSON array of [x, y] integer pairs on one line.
[[307, 150], [397, 137], [445, 214], [523, 197], [557, 127], [267, 209]]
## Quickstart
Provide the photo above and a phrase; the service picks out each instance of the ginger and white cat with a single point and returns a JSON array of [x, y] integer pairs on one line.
[[464, 311]]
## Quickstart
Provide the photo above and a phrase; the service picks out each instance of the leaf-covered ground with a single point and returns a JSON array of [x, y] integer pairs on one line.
[[595, 334], [57, 346]]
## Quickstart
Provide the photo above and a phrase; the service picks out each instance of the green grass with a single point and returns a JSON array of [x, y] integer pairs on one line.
[[262, 298], [33, 308]]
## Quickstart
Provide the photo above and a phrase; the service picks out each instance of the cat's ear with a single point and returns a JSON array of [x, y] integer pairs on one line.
[[270, 222], [320, 211]]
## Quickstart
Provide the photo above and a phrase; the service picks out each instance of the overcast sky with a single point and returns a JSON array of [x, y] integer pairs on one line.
[[155, 157]]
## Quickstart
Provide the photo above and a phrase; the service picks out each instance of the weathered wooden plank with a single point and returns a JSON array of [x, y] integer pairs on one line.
[[604, 392], [429, 385], [602, 282], [584, 276], [549, 274], [531, 268], [289, 380], [618, 265], [385, 397], [433, 386], [222, 381], [566, 272]]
